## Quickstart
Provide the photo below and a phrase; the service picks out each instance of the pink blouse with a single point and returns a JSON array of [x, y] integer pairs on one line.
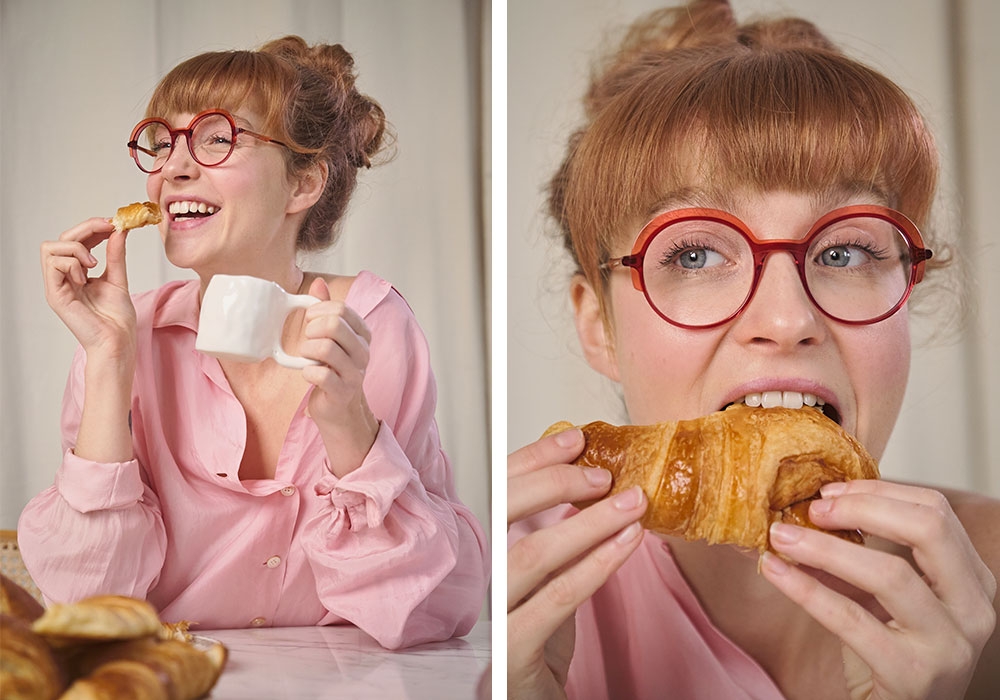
[[644, 634], [389, 547]]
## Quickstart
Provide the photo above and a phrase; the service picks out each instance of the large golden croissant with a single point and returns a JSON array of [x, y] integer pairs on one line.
[[726, 477]]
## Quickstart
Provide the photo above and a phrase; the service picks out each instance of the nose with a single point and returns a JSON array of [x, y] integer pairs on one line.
[[780, 314], [179, 163]]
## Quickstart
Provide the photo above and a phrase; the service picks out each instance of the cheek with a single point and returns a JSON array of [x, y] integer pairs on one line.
[[880, 368], [660, 366], [154, 183]]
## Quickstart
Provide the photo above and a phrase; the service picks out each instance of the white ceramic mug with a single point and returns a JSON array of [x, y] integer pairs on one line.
[[242, 319]]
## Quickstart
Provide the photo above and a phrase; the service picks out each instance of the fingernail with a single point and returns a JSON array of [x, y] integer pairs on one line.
[[774, 564], [92, 259], [834, 488], [629, 499], [785, 534], [597, 476], [821, 506], [628, 534], [569, 438]]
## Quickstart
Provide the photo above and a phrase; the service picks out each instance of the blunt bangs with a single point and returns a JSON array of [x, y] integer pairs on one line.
[[796, 120], [230, 80]]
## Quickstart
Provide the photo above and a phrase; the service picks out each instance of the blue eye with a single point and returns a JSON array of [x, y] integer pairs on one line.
[[691, 257], [850, 255]]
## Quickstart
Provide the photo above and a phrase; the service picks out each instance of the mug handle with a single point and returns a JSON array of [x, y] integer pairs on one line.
[[292, 302]]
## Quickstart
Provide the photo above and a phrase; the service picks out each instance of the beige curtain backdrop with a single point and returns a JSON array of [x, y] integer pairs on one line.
[[75, 79], [943, 52]]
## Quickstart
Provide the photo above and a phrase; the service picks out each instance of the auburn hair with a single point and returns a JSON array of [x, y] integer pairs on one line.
[[692, 99], [307, 98]]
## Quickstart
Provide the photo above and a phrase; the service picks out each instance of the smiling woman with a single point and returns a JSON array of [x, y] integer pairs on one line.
[[209, 471]]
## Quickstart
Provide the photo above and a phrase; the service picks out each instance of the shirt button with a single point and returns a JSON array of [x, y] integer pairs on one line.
[[258, 622], [273, 562], [288, 491]]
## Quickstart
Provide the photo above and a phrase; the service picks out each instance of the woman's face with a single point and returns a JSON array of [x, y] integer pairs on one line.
[[780, 343], [250, 206]]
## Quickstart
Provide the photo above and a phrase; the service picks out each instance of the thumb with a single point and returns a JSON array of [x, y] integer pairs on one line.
[[319, 289], [116, 272]]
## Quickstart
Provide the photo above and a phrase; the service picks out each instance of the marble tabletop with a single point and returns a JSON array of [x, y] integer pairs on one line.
[[303, 663]]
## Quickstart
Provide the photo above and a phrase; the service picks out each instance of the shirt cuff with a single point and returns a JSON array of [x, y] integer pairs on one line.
[[366, 494], [88, 486]]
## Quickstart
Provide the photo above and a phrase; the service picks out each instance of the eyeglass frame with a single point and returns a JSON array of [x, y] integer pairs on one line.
[[761, 249], [134, 147]]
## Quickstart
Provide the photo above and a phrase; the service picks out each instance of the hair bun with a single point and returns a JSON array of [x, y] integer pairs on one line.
[[330, 68], [702, 26]]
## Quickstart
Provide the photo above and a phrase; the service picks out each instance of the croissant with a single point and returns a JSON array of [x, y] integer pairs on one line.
[[137, 215], [96, 618], [184, 671], [118, 680], [726, 477], [29, 669], [17, 602]]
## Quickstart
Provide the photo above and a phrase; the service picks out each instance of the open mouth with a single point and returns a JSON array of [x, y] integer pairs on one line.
[[789, 399], [184, 210]]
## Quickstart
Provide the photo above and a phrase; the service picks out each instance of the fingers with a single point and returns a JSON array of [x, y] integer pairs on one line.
[[538, 617], [920, 519], [939, 611], [540, 477], [896, 585], [338, 337], [588, 536], [562, 447], [116, 271], [67, 259]]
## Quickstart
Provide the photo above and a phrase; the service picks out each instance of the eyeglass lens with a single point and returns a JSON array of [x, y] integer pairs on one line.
[[211, 141], [700, 272]]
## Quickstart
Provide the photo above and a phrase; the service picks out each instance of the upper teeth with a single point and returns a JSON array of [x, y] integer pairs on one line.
[[190, 207], [788, 399]]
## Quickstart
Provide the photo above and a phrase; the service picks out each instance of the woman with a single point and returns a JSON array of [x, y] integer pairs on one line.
[[247, 494], [772, 128]]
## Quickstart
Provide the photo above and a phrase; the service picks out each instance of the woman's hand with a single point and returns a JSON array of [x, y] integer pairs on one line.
[[338, 338], [552, 571], [921, 632], [97, 310]]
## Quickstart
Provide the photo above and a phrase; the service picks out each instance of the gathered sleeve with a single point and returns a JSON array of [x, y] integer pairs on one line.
[[392, 549], [98, 528]]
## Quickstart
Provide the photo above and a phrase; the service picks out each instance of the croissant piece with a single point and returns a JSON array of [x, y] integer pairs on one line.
[[97, 618], [181, 669], [726, 477], [177, 630], [137, 215], [28, 667], [118, 680], [17, 602]]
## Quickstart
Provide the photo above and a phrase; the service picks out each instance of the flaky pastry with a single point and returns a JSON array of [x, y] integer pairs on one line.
[[726, 477], [98, 618], [137, 215]]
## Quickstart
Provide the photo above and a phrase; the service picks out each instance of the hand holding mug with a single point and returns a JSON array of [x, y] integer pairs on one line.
[[337, 338]]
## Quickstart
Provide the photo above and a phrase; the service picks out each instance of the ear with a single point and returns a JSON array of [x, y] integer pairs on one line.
[[593, 332], [308, 187]]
